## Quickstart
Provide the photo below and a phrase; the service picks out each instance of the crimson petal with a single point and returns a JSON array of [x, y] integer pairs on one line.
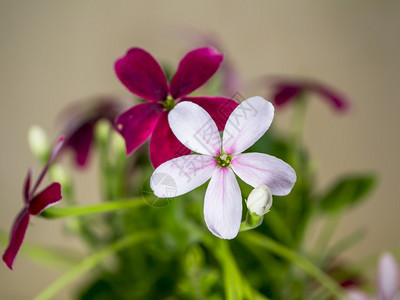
[[137, 123], [49, 196], [194, 70], [164, 145], [80, 141], [219, 108], [338, 101], [17, 237], [142, 75], [285, 93]]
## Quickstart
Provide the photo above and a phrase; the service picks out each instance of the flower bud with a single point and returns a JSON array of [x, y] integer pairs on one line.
[[260, 200], [118, 143], [102, 131], [38, 142], [60, 175]]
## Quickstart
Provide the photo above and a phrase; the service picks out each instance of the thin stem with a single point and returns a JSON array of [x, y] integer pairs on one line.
[[91, 262], [298, 121], [346, 242], [307, 266], [235, 284], [73, 211], [326, 233]]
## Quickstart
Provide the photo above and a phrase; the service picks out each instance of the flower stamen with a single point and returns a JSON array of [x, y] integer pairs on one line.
[[223, 160], [169, 103]]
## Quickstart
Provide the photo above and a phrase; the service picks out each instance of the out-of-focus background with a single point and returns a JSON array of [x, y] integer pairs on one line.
[[54, 53]]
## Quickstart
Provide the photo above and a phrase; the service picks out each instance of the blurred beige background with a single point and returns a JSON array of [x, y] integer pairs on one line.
[[56, 52]]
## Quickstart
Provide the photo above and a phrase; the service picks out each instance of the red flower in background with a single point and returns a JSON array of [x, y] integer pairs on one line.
[[81, 121], [144, 77], [285, 90], [35, 203]]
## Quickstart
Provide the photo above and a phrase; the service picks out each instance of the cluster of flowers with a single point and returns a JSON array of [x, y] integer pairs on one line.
[[180, 125]]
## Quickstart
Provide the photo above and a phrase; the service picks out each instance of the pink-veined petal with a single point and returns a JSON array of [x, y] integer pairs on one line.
[[164, 145], [16, 238], [223, 204], [46, 198], [142, 75], [247, 123], [258, 169], [181, 175], [219, 108], [388, 279], [358, 295], [194, 70], [194, 128], [137, 123]]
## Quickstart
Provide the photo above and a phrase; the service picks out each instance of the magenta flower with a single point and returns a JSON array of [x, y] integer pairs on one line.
[[35, 203], [388, 281], [143, 76], [286, 90], [82, 118], [221, 160]]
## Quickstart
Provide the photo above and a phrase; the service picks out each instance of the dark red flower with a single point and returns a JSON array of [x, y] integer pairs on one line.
[[285, 90], [35, 203], [82, 118], [143, 76]]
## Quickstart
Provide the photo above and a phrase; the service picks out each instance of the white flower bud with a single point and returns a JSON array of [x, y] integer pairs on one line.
[[38, 142], [260, 200]]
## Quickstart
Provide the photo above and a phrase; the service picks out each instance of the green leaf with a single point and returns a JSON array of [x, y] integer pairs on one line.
[[347, 192]]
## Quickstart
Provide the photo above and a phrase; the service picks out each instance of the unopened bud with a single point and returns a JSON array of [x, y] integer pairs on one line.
[[260, 200], [102, 131], [118, 143], [38, 143], [60, 175]]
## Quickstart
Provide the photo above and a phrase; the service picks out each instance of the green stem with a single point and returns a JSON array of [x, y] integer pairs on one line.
[[235, 284], [298, 121], [326, 233], [346, 242], [307, 266], [73, 211], [91, 262]]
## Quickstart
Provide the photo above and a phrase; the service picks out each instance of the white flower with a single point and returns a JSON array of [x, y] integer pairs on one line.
[[220, 160], [260, 200]]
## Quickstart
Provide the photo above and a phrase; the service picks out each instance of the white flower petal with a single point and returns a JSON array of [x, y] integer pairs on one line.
[[247, 123], [223, 204], [258, 169], [357, 295], [194, 128], [181, 175], [388, 277], [259, 200]]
